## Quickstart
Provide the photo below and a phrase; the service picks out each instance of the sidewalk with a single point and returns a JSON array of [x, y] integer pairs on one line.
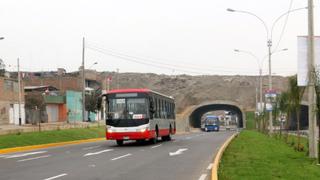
[[15, 129]]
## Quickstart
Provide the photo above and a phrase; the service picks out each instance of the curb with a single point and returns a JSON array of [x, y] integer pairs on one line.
[[214, 173], [42, 146]]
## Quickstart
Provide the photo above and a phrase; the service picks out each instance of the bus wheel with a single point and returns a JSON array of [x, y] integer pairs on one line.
[[155, 139], [168, 137], [120, 142]]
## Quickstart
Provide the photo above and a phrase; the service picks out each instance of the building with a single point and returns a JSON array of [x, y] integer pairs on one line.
[[9, 102], [70, 87], [44, 104]]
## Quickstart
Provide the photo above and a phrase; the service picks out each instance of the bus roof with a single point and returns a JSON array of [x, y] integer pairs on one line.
[[143, 90]]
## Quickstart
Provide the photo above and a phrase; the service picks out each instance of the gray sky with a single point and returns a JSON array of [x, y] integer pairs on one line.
[[192, 36]]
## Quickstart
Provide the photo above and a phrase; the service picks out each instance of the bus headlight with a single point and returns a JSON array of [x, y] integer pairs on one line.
[[143, 130], [109, 130]]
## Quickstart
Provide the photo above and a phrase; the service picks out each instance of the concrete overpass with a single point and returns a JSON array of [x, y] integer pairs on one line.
[[191, 117]]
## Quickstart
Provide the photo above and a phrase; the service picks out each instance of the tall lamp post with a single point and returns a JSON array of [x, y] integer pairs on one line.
[[83, 82], [269, 45], [313, 149], [260, 65], [93, 65]]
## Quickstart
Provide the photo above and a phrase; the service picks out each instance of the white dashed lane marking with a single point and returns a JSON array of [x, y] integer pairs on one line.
[[99, 152], [24, 154], [89, 148], [120, 157], [55, 177], [203, 177], [156, 146], [29, 159]]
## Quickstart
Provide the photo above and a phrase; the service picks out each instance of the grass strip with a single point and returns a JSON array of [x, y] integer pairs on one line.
[[45, 137], [253, 155]]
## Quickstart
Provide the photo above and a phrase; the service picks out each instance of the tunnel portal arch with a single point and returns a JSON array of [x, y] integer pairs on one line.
[[198, 111]]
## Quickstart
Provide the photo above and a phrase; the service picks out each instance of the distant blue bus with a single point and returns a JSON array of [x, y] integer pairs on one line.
[[211, 123]]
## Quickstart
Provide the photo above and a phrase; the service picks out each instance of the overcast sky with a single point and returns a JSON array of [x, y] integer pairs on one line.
[[159, 36]]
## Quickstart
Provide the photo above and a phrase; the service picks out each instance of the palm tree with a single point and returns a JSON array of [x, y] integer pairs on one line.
[[285, 107], [296, 94]]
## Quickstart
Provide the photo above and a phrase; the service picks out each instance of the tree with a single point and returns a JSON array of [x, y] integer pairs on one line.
[[93, 102], [286, 108], [2, 68], [296, 94]]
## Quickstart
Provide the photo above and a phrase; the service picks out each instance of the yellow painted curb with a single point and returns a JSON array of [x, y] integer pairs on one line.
[[41, 146], [214, 173]]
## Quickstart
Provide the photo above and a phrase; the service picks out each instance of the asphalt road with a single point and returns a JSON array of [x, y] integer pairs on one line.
[[186, 157]]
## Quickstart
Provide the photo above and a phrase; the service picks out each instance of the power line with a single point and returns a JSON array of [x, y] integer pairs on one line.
[[181, 64], [150, 62], [284, 26]]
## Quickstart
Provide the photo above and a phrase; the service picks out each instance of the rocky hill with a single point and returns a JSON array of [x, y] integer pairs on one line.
[[194, 90]]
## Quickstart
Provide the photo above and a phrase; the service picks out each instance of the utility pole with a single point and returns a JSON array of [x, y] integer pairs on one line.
[[260, 82], [270, 86], [311, 85], [19, 91], [83, 82]]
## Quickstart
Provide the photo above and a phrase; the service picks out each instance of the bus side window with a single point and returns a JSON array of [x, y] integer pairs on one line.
[[165, 109], [169, 113], [170, 110], [174, 111], [159, 108]]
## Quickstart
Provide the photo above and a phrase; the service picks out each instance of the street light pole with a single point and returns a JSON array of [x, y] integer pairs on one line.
[[83, 82], [270, 86], [19, 91], [269, 44], [311, 85]]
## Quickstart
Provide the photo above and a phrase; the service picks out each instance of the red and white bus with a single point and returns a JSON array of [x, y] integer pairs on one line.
[[139, 114]]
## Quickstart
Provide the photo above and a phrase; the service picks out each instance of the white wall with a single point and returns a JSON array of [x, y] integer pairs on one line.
[[14, 114]]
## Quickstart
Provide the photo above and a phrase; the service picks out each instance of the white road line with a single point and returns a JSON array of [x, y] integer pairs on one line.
[[120, 157], [96, 153], [156, 146], [187, 138], [178, 152], [89, 148], [25, 154], [210, 166], [29, 159], [55, 177], [203, 177]]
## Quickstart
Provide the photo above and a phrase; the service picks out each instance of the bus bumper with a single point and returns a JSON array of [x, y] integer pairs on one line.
[[129, 135]]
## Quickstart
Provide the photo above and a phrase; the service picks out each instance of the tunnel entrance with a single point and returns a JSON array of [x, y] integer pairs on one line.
[[200, 111]]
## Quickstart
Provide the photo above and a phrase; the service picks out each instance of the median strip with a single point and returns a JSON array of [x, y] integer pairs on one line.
[[214, 173]]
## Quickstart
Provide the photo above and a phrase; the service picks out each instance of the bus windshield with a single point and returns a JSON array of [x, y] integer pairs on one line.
[[211, 121], [128, 108]]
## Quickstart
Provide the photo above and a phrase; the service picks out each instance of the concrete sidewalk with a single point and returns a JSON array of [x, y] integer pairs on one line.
[[15, 129]]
